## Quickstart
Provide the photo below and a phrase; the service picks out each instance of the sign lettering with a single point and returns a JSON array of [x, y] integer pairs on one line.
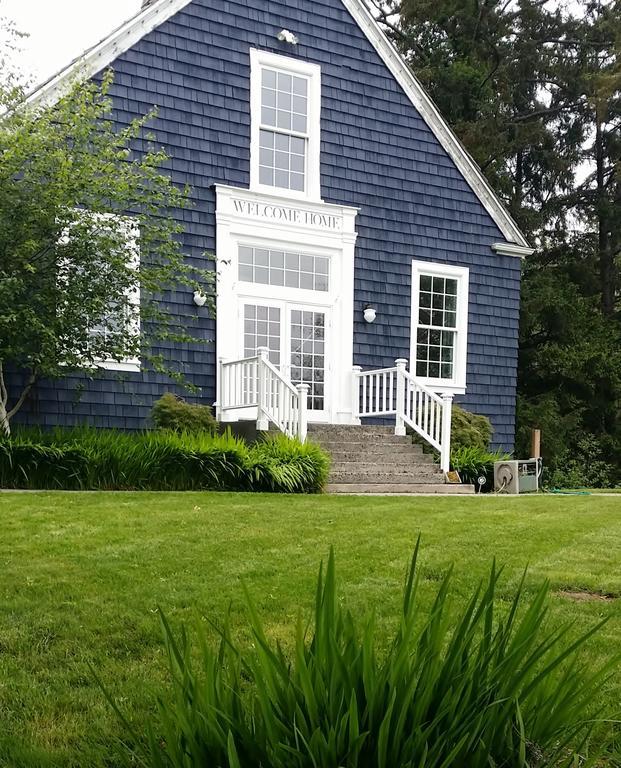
[[290, 215]]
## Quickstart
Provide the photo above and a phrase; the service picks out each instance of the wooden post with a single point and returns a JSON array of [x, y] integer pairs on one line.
[[447, 412], [535, 444], [401, 364], [302, 411], [262, 420], [220, 402], [355, 393]]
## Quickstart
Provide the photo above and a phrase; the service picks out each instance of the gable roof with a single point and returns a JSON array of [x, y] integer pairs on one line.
[[151, 16]]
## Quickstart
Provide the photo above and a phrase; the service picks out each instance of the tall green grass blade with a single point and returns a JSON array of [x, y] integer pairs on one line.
[[474, 685]]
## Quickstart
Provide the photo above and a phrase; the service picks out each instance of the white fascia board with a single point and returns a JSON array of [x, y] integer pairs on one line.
[[430, 114], [128, 34], [511, 249], [105, 52]]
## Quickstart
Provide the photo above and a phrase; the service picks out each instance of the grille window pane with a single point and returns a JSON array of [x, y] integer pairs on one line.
[[293, 270], [307, 355], [284, 126], [437, 312], [262, 329]]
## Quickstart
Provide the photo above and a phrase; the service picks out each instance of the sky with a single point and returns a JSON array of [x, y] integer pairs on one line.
[[60, 30]]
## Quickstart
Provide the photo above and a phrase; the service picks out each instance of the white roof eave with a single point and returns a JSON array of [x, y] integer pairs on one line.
[[128, 34]]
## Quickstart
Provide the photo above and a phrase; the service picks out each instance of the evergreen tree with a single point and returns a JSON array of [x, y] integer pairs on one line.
[[533, 91]]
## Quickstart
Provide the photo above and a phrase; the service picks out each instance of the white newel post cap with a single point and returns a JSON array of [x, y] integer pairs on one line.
[[302, 387], [401, 362], [263, 352]]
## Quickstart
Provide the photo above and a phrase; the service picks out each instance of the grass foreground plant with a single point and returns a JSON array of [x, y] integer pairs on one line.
[[90, 459], [482, 687]]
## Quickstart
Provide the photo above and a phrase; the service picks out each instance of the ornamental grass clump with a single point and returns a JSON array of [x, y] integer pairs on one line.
[[162, 460], [473, 684]]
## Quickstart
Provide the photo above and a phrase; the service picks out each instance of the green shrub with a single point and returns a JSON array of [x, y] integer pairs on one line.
[[470, 430], [469, 688], [88, 459], [474, 462], [288, 463], [583, 467], [172, 412]]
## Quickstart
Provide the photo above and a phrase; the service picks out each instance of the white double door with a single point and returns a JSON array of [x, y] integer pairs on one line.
[[297, 337]]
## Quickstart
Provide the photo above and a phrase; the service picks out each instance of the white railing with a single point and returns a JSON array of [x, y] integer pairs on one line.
[[254, 382], [394, 391]]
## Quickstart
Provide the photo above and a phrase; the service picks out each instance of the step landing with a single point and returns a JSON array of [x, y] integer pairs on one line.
[[371, 459]]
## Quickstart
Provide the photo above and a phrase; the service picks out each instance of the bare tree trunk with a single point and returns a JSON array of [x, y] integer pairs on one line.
[[6, 413], [5, 427], [607, 272]]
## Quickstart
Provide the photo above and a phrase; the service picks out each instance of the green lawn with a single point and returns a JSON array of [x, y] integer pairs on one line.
[[83, 574]]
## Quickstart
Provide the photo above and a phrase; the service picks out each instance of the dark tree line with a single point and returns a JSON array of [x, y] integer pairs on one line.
[[533, 90]]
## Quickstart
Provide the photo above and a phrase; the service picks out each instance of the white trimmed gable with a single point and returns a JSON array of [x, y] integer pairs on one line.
[[158, 11]]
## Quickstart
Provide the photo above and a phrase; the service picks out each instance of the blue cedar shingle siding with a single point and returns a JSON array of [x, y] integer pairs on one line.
[[376, 153]]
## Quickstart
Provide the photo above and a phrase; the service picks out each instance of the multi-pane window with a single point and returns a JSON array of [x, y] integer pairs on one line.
[[437, 327], [262, 329], [283, 268], [308, 354], [283, 134], [285, 104], [123, 317], [118, 322]]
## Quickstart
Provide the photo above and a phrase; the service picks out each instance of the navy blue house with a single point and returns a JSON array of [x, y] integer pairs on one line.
[[349, 227]]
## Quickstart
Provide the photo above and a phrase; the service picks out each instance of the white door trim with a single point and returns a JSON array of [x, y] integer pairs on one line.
[[244, 217]]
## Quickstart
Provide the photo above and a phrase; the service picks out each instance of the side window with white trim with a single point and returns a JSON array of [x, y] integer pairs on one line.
[[285, 115], [122, 315], [439, 324]]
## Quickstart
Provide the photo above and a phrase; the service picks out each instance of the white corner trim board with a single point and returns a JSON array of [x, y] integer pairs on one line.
[[125, 36]]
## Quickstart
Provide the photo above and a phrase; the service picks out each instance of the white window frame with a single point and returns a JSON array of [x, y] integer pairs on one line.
[[132, 230], [456, 385], [259, 60]]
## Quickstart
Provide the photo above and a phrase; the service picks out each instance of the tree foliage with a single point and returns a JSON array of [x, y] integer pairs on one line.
[[533, 90], [88, 242]]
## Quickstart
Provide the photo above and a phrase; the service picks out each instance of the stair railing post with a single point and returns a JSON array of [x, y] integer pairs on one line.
[[219, 402], [401, 365], [447, 412], [262, 394], [302, 411], [355, 393]]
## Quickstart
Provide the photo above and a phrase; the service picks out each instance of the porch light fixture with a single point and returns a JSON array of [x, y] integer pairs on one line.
[[287, 37], [370, 313], [200, 299]]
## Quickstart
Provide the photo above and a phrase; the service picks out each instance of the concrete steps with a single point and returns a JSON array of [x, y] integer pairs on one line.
[[371, 459], [399, 489]]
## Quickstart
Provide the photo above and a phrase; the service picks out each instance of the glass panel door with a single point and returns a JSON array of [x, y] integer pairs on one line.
[[295, 336], [262, 328], [307, 345]]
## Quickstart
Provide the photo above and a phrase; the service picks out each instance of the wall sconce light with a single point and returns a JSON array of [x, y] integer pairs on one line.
[[200, 299], [287, 37], [370, 313]]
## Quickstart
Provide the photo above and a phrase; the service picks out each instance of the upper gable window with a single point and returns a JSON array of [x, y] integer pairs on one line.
[[285, 106]]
